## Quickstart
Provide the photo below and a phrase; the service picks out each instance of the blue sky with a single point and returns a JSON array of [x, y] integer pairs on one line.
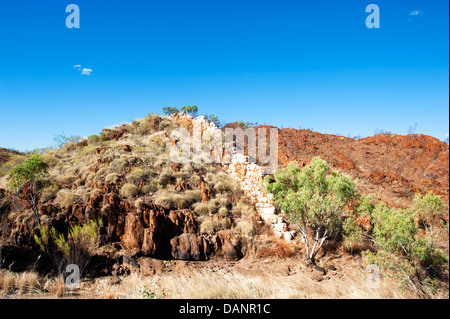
[[287, 63]]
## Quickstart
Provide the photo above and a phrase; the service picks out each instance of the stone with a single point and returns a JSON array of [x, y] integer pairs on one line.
[[332, 268], [319, 270], [189, 247]]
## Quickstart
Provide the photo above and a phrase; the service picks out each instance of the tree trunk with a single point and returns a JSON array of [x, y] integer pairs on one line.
[[34, 205]]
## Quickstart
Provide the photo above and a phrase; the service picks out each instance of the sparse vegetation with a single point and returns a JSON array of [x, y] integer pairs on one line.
[[322, 203]]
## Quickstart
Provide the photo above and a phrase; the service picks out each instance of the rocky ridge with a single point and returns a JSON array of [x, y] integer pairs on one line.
[[249, 176]]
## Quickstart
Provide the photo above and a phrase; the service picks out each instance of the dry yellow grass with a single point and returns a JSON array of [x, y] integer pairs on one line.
[[208, 283], [221, 284], [30, 284]]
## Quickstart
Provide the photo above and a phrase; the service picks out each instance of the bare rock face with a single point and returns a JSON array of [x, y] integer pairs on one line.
[[189, 247], [230, 245]]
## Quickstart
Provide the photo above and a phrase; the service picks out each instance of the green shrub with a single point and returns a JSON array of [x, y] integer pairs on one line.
[[312, 199], [402, 250], [167, 110], [353, 234], [29, 175], [78, 248], [429, 211]]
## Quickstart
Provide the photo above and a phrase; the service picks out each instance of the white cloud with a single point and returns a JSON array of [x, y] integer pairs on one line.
[[415, 13], [86, 71], [83, 71]]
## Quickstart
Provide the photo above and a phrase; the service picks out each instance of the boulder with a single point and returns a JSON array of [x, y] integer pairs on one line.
[[189, 247]]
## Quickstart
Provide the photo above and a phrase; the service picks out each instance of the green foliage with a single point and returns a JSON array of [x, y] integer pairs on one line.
[[29, 175], [214, 119], [245, 125], [429, 210], [190, 109], [311, 198], [366, 205], [353, 234], [167, 110], [402, 250], [33, 170], [77, 248], [148, 293]]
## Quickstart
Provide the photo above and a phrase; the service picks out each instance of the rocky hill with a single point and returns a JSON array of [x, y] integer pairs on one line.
[[149, 205], [152, 208], [392, 167]]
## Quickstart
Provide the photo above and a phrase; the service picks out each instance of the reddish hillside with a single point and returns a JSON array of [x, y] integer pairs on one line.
[[5, 155], [393, 167]]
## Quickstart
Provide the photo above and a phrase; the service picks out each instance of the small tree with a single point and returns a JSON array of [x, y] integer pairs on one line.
[[429, 210], [167, 110], [312, 200], [29, 175], [190, 109], [214, 119], [401, 249]]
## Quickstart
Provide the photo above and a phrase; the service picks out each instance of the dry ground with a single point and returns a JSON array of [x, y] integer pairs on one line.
[[249, 278]]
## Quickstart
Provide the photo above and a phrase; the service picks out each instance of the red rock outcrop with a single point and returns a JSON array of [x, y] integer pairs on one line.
[[393, 167]]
